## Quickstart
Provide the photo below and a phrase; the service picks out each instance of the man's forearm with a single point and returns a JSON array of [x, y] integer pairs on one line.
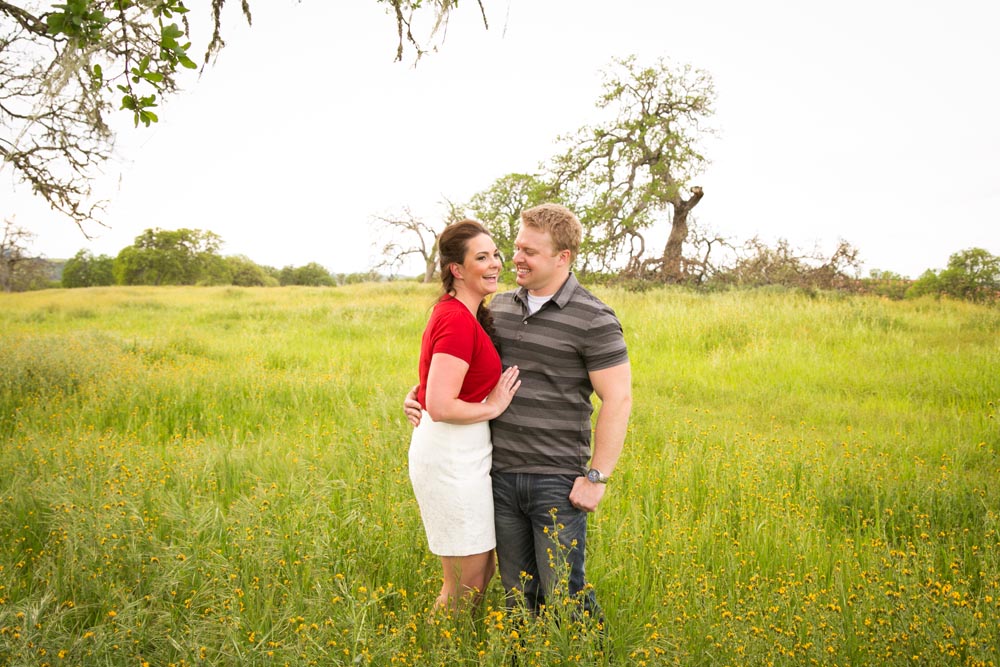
[[609, 432]]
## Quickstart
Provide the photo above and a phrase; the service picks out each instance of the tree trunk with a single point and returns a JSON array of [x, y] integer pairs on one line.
[[672, 270], [431, 258]]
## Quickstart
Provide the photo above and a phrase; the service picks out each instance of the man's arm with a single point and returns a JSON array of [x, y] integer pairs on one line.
[[614, 387], [411, 407]]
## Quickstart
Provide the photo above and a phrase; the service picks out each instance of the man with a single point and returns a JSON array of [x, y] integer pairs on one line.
[[567, 345]]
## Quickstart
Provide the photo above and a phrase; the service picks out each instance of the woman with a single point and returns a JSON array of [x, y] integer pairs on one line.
[[461, 388]]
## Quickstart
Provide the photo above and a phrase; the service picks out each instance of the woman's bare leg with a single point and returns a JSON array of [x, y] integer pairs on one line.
[[465, 578]]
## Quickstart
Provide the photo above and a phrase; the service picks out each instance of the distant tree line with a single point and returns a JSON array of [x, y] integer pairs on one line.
[[971, 275], [189, 257], [709, 261]]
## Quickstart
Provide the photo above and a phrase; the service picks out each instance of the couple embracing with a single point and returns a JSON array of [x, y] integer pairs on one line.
[[501, 453]]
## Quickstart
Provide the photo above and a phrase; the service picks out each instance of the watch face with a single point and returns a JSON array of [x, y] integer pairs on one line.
[[593, 475]]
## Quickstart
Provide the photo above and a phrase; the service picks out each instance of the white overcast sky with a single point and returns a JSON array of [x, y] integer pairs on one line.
[[876, 122]]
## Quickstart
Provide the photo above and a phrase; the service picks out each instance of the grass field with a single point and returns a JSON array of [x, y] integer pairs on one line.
[[217, 476]]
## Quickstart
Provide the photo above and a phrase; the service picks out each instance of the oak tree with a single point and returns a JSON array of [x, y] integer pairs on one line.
[[170, 257], [972, 274], [623, 173], [311, 275], [85, 270]]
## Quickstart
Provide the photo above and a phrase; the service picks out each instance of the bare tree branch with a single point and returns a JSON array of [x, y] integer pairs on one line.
[[409, 236]]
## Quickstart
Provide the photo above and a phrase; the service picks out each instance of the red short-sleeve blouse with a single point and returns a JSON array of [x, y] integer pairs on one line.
[[454, 330]]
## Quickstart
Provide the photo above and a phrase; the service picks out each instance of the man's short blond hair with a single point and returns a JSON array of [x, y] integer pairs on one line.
[[559, 222]]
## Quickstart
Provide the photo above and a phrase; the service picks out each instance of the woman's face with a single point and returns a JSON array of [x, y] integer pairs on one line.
[[481, 268]]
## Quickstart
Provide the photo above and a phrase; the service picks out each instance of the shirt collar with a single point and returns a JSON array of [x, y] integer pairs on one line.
[[560, 298]]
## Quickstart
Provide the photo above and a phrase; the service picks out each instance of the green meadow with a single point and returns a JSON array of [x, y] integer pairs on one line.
[[217, 476]]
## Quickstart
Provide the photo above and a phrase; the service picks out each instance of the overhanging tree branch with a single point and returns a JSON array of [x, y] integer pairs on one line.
[[64, 71]]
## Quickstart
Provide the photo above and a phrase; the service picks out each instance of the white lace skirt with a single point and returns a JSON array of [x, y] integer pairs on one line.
[[450, 473]]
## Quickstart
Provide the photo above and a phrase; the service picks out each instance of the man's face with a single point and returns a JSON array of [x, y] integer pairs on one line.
[[540, 269]]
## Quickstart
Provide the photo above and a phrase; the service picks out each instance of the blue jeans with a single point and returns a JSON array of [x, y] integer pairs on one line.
[[540, 536]]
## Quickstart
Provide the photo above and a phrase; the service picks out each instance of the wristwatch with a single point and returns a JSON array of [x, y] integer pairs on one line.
[[597, 477]]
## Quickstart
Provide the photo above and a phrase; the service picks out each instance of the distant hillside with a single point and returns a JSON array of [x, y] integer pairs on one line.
[[54, 268]]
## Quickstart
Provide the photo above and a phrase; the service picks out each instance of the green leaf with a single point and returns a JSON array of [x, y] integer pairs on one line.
[[97, 17], [171, 32], [56, 23]]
